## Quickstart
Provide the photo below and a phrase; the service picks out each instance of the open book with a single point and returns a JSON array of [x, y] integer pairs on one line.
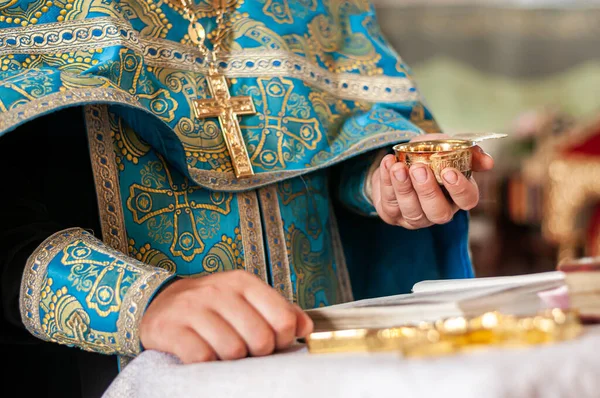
[[432, 300]]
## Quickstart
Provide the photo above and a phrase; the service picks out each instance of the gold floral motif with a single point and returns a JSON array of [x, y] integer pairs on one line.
[[278, 255], [252, 237], [154, 257], [224, 255]]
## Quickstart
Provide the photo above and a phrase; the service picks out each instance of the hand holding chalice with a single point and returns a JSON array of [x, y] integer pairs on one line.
[[428, 180]]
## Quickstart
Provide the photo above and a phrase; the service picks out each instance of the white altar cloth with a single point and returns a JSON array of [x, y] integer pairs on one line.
[[570, 369]]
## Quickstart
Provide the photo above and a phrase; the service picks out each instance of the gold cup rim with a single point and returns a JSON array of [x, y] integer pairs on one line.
[[434, 146]]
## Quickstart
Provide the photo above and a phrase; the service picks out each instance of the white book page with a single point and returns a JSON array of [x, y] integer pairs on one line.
[[439, 286]]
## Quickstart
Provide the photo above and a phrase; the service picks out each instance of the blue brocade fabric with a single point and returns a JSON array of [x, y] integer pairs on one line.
[[329, 93]]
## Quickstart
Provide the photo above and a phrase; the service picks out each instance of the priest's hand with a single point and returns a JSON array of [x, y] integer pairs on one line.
[[226, 316], [413, 199]]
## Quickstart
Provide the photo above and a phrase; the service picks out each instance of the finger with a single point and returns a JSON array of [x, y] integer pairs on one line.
[[481, 160], [248, 322], [406, 197], [389, 204], [464, 192], [304, 325], [436, 207], [279, 314], [187, 345], [219, 334]]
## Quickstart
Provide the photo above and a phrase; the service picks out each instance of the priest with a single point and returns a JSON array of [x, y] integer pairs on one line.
[[187, 176]]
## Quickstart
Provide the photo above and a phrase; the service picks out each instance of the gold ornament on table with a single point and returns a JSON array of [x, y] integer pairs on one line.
[[454, 152], [453, 335], [222, 105]]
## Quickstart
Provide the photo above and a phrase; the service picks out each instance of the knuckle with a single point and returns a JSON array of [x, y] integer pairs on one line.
[[286, 323], [263, 344], [393, 211], [404, 189], [428, 192], [236, 350], [187, 300], [151, 329], [443, 218], [408, 225], [202, 355], [241, 275]]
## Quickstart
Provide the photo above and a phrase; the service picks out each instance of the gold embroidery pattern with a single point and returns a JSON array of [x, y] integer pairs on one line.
[[332, 40], [69, 36], [236, 64], [67, 321], [224, 255], [148, 255], [128, 145], [344, 284], [106, 177], [316, 283], [147, 203], [34, 276], [280, 10], [278, 256], [227, 181], [252, 237]]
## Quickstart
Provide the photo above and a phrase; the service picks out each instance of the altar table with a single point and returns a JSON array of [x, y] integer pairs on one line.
[[569, 369]]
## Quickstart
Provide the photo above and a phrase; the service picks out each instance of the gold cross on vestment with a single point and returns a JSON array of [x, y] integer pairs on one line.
[[227, 109]]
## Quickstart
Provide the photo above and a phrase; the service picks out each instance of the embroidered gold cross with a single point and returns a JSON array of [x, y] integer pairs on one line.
[[227, 109]]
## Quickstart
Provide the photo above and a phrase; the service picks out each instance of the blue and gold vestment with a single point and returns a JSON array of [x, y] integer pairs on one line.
[[330, 94]]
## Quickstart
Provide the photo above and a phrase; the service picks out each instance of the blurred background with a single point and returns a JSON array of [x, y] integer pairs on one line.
[[531, 69]]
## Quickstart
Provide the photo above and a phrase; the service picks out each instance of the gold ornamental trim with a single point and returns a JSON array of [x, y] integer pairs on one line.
[[34, 275], [278, 255], [106, 32], [99, 95], [252, 236], [134, 303], [106, 177]]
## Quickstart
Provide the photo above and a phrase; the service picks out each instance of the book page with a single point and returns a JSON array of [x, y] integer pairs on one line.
[[460, 284]]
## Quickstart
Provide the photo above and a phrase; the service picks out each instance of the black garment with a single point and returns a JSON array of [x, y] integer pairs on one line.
[[46, 186]]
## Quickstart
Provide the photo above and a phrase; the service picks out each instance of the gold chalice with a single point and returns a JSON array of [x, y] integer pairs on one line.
[[440, 154]]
